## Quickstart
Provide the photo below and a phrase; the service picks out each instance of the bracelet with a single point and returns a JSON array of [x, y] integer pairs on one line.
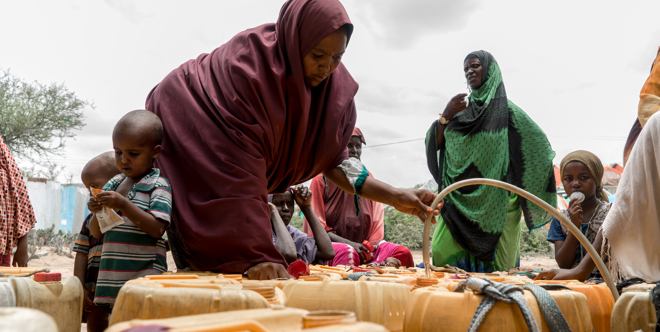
[[443, 120]]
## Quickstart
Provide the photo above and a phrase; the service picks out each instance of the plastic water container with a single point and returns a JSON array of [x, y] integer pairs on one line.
[[7, 295], [26, 320], [144, 299], [634, 310], [266, 320], [433, 307], [377, 302], [601, 302], [61, 299]]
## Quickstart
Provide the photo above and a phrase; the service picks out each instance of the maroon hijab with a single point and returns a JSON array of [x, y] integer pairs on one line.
[[240, 122]]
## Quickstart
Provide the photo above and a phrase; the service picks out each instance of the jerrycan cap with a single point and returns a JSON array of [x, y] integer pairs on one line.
[[43, 277], [298, 268]]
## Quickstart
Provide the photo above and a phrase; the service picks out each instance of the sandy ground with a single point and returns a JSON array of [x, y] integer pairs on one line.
[[535, 263], [64, 264]]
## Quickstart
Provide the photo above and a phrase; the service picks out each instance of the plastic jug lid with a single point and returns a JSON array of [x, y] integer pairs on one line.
[[42, 277], [298, 268]]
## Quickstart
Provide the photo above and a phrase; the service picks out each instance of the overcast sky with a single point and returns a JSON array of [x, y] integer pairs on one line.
[[576, 67]]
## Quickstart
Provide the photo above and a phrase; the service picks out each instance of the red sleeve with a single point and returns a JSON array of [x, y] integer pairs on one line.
[[318, 190]]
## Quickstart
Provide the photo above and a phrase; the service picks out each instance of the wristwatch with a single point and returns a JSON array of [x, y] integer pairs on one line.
[[443, 120]]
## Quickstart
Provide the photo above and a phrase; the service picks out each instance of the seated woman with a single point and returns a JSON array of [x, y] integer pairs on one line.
[[350, 220], [487, 137], [292, 243], [581, 171], [628, 240]]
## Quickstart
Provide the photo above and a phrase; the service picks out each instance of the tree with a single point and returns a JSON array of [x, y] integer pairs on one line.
[[36, 119]]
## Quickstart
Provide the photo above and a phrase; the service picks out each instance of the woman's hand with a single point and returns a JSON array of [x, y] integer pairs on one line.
[[575, 211], [358, 247], [88, 303], [416, 202], [267, 271], [558, 274], [455, 105], [302, 195], [21, 255], [112, 199]]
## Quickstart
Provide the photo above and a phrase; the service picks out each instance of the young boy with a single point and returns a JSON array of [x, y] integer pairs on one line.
[[144, 200], [16, 213], [292, 243], [96, 173]]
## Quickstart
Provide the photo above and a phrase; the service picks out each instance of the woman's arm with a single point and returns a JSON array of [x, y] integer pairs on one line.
[[415, 202], [284, 242], [455, 105]]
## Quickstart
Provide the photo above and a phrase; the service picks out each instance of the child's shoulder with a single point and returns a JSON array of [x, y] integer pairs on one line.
[[155, 180]]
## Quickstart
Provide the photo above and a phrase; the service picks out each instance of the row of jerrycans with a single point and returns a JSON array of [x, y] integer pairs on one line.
[[59, 297], [398, 302]]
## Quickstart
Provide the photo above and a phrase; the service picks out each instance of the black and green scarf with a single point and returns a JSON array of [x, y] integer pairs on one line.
[[492, 138]]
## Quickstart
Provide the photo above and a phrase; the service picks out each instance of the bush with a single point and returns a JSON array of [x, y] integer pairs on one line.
[[534, 243], [38, 238], [404, 229]]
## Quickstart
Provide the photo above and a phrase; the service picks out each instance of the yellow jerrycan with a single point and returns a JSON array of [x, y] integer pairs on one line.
[[60, 297], [634, 310], [150, 299], [377, 302], [436, 308], [255, 320], [26, 320]]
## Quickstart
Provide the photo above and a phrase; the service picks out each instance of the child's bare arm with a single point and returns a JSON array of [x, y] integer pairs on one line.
[[326, 251], [303, 198], [80, 267], [145, 221], [21, 254], [284, 242], [94, 206]]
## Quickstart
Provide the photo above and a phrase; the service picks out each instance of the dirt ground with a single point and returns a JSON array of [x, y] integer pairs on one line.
[[535, 263], [64, 264]]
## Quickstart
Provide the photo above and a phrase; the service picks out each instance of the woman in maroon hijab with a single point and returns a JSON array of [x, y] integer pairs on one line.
[[271, 108]]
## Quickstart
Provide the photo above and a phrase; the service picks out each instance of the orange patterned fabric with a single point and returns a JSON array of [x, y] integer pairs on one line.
[[16, 213], [649, 97]]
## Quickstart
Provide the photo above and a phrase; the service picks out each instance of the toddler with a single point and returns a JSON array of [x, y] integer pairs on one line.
[[96, 173], [142, 197]]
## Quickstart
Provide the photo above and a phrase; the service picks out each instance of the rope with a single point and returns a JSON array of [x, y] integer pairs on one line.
[[553, 316], [356, 275], [494, 292]]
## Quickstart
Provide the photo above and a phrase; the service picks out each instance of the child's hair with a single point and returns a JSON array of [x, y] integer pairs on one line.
[[594, 165], [141, 122]]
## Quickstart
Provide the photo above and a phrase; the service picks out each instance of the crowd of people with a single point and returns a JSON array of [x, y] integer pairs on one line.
[[218, 158]]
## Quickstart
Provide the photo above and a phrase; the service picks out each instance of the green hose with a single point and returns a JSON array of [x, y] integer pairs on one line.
[[520, 192]]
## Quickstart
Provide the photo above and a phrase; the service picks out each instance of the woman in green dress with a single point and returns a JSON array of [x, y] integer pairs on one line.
[[487, 136]]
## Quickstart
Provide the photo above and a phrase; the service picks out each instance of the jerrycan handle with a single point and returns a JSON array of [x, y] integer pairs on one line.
[[605, 273]]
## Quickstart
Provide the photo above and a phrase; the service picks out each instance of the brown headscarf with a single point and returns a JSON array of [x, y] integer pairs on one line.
[[357, 132], [594, 165], [240, 122]]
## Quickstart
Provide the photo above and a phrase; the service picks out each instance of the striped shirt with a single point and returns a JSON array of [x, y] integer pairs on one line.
[[128, 252], [92, 247]]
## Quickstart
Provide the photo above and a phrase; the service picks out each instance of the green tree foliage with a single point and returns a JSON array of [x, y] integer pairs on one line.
[[36, 119], [404, 229], [534, 243]]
